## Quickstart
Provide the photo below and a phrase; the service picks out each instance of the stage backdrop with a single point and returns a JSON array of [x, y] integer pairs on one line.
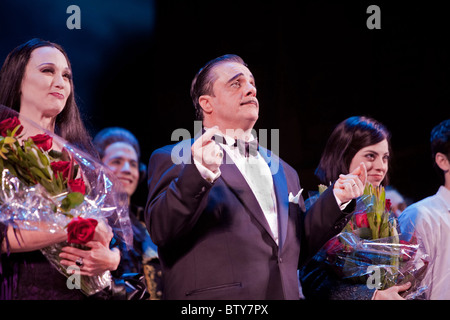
[[315, 63]]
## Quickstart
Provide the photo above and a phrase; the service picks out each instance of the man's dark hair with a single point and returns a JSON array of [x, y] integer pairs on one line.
[[204, 79], [440, 143]]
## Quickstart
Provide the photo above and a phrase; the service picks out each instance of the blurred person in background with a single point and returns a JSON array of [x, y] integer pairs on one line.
[[119, 150]]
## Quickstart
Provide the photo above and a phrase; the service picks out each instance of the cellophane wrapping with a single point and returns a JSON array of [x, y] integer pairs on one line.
[[369, 251], [34, 196]]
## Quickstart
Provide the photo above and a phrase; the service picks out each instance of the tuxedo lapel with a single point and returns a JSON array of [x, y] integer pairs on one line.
[[281, 192], [237, 183]]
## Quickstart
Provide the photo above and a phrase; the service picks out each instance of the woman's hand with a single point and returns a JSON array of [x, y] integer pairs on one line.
[[351, 186], [391, 293], [95, 261], [103, 233]]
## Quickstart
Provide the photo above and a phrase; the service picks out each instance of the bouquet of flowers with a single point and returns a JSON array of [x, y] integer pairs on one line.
[[368, 250], [48, 190]]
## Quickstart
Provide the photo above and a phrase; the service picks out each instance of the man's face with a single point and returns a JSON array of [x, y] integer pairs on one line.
[[122, 159], [233, 104]]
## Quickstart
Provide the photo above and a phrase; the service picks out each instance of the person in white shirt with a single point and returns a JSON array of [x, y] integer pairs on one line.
[[428, 221]]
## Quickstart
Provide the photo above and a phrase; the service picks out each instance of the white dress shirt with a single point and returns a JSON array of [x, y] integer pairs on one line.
[[429, 221], [258, 176]]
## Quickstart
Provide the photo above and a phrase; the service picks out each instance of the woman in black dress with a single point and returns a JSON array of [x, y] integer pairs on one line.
[[354, 140], [36, 81]]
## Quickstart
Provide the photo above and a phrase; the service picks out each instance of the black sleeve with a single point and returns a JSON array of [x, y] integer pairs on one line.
[[322, 222], [177, 197]]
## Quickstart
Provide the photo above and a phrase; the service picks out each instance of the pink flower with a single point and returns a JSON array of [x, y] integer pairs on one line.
[[361, 220], [388, 204]]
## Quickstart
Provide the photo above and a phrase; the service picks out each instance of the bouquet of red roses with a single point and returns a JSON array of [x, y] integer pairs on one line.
[[48, 190], [32, 165], [368, 250], [79, 232]]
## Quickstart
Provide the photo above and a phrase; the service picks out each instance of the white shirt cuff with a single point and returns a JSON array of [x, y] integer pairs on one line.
[[341, 205], [207, 174]]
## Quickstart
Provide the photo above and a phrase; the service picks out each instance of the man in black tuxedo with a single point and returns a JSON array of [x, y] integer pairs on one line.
[[228, 225]]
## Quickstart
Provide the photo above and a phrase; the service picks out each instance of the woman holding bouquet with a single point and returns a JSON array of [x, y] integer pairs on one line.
[[36, 81], [354, 140]]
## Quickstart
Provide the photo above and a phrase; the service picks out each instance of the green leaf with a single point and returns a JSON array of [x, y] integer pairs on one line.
[[44, 159], [10, 168], [47, 172], [71, 201], [372, 218], [9, 140], [37, 172], [365, 233], [59, 181], [55, 154], [13, 133], [49, 186], [75, 171], [31, 158]]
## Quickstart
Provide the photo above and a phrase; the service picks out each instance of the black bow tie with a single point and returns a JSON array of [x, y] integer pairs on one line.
[[247, 148]]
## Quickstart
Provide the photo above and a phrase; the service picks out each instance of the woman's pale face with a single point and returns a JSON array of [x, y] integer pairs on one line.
[[46, 83], [376, 158]]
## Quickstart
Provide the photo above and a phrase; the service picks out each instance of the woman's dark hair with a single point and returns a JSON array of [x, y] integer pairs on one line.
[[440, 142], [349, 136], [204, 79], [68, 123]]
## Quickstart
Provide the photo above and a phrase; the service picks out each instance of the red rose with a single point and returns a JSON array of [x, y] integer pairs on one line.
[[80, 230], [10, 124], [333, 246], [43, 141], [388, 204], [361, 220], [77, 185], [61, 166]]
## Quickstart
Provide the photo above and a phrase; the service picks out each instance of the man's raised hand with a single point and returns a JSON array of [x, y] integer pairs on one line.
[[207, 151]]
